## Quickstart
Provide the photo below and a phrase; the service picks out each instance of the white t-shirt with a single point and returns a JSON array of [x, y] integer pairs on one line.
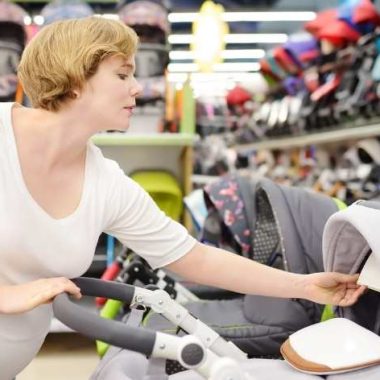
[[34, 245]]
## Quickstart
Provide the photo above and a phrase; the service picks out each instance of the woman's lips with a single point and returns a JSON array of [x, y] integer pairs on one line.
[[129, 109]]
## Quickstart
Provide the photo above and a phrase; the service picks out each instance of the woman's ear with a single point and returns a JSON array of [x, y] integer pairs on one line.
[[74, 94]]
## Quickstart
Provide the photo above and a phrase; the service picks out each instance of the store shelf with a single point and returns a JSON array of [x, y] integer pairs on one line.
[[148, 139], [348, 132]]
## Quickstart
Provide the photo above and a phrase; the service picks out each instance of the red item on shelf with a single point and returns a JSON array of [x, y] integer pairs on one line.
[[109, 274], [320, 21], [366, 12], [238, 96], [338, 32]]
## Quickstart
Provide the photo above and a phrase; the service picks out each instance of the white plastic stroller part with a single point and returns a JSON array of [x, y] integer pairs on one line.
[[334, 346], [350, 235], [204, 351]]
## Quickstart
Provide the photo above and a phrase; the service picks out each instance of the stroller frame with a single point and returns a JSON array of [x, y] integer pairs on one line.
[[204, 350]]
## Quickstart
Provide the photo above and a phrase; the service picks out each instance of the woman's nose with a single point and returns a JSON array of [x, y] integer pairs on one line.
[[137, 88]]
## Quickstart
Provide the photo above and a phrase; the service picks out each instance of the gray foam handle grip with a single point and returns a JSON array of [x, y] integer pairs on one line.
[[91, 325]]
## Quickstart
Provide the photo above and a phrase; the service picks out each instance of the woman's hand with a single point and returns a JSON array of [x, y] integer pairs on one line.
[[16, 299], [332, 288]]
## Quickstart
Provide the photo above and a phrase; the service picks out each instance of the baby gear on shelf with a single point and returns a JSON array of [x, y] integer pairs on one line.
[[12, 43], [164, 188], [150, 21], [58, 10], [204, 351]]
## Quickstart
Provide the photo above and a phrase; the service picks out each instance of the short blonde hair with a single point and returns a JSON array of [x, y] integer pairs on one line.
[[65, 54]]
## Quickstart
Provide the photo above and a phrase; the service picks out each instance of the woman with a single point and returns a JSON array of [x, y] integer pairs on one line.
[[58, 193]]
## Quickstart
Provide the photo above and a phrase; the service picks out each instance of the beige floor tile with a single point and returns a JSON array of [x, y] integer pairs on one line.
[[64, 356]]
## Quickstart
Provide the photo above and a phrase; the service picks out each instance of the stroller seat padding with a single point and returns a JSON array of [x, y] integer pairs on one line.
[[255, 324], [334, 346]]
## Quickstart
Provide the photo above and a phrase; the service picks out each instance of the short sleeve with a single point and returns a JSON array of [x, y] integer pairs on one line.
[[135, 220]]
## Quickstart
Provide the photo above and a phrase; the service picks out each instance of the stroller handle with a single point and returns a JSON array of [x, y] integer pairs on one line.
[[188, 350], [91, 325], [104, 288]]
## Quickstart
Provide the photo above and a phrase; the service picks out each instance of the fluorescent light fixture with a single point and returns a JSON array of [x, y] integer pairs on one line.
[[182, 67], [226, 54], [219, 67], [248, 16], [238, 66], [264, 38], [269, 38]]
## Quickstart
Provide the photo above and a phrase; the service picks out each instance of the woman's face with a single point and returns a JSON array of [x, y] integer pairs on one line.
[[109, 96]]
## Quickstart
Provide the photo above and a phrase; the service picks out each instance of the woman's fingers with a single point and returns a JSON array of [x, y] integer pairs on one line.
[[21, 298]]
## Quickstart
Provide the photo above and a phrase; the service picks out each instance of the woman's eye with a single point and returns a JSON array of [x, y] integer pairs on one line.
[[122, 76]]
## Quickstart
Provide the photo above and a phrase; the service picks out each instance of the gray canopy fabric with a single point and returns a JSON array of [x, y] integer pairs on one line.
[[259, 325], [349, 238]]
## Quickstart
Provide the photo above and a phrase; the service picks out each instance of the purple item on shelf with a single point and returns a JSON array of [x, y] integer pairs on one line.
[[303, 50]]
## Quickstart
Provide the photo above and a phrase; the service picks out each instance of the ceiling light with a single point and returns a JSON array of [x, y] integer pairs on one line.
[[219, 67], [264, 38], [226, 54], [247, 16]]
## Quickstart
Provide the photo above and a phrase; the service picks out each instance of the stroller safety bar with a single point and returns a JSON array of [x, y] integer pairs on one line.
[[188, 350]]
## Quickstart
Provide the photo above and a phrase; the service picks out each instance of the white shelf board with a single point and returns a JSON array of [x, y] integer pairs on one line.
[[144, 139], [325, 137]]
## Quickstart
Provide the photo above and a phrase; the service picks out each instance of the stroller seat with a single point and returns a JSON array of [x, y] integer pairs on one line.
[[260, 331]]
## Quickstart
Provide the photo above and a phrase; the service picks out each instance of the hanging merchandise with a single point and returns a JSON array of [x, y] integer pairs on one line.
[[238, 96], [12, 43], [322, 18], [65, 9], [150, 21], [148, 18]]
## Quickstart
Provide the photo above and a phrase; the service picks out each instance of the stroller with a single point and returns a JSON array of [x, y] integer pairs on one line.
[[205, 353], [279, 220], [350, 236], [279, 226]]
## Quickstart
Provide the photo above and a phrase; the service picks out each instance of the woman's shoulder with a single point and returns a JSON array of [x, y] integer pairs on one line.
[[105, 167]]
